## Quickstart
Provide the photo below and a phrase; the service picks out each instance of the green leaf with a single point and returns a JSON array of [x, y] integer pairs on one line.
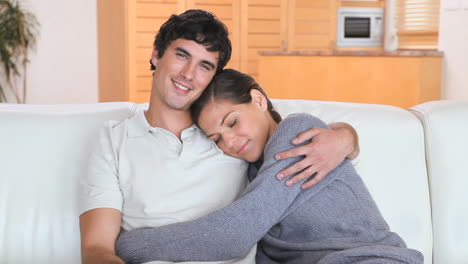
[[2, 95], [18, 30]]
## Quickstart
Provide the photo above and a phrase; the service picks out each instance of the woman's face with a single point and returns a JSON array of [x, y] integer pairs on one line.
[[240, 130]]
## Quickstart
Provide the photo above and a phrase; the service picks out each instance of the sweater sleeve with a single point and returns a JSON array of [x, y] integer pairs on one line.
[[232, 231]]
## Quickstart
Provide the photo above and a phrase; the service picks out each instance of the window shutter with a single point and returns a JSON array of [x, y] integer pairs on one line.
[[417, 23]]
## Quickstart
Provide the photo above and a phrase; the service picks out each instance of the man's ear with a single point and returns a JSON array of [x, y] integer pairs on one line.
[[258, 99], [154, 57]]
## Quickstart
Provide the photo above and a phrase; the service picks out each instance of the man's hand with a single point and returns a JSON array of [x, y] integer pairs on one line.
[[326, 151]]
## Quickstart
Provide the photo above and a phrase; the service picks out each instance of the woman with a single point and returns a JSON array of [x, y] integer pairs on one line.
[[336, 221]]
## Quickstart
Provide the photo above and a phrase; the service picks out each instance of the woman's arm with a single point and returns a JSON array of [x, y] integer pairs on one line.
[[230, 232]]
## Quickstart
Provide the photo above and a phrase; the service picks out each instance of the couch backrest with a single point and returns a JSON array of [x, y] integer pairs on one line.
[[446, 131], [44, 149], [391, 162], [43, 152]]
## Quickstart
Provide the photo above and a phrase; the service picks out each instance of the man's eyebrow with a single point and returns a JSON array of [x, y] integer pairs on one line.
[[183, 51], [209, 63]]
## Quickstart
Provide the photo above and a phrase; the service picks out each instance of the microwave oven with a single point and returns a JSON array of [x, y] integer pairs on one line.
[[359, 27]]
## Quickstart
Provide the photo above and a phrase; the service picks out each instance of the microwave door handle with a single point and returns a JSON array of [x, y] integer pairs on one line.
[[376, 27]]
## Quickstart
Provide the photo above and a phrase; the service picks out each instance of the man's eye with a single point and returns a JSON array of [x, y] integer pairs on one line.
[[182, 55], [206, 67]]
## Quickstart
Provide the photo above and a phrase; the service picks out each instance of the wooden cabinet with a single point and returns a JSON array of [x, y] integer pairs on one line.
[[311, 24], [263, 26], [283, 25], [379, 78], [126, 31]]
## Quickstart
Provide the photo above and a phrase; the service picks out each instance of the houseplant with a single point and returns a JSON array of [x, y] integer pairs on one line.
[[18, 30]]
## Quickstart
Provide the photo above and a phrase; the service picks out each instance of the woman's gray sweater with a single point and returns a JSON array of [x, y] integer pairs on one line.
[[335, 221]]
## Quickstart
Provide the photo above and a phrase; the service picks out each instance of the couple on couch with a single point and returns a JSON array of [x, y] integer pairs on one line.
[[160, 189]]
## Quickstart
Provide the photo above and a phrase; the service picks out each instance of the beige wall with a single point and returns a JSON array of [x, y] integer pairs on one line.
[[63, 68], [453, 40]]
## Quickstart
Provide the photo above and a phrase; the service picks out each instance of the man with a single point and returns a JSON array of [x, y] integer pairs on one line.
[[157, 168]]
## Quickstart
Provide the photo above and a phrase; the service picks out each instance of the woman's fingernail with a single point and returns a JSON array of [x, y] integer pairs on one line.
[[294, 141], [277, 157], [289, 183], [280, 176]]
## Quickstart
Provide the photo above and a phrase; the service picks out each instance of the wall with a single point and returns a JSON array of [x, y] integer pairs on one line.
[[63, 67], [453, 40]]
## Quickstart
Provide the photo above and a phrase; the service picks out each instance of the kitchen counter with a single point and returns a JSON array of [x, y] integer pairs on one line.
[[397, 53], [399, 78]]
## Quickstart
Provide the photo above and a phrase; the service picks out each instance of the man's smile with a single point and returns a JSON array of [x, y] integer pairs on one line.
[[181, 87]]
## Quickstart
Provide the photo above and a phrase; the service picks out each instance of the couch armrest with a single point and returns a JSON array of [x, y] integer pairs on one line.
[[446, 135]]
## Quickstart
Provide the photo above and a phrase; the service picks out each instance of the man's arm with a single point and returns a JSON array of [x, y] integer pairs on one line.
[[99, 231], [350, 137], [326, 151]]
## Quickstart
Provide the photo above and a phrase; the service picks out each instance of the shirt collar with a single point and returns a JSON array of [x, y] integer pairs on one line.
[[138, 126]]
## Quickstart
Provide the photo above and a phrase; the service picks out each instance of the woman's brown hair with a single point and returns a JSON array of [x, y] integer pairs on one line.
[[232, 86]]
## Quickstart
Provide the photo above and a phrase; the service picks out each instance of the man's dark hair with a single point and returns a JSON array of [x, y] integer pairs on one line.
[[232, 86], [200, 26]]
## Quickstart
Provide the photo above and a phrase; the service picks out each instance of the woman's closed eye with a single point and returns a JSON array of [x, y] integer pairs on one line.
[[215, 139], [233, 123]]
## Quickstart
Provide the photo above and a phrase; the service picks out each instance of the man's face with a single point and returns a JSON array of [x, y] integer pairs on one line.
[[182, 73]]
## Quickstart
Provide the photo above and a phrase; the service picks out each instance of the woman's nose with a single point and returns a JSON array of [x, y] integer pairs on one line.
[[231, 140]]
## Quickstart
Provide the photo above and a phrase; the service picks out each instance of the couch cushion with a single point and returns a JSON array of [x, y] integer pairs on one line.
[[446, 129], [44, 150], [391, 162]]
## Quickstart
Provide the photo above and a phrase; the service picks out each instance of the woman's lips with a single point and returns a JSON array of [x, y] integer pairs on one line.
[[244, 147]]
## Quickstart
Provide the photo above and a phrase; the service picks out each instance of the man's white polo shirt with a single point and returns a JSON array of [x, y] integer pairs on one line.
[[154, 179]]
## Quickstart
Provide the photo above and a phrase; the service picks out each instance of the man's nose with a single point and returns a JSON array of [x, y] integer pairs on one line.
[[188, 72]]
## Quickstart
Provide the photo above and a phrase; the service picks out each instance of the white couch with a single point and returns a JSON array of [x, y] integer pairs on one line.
[[413, 163]]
